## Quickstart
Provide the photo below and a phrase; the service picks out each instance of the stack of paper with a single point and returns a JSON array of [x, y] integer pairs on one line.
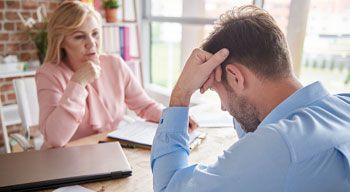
[[74, 188]]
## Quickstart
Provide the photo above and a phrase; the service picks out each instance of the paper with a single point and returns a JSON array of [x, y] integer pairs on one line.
[[74, 188], [142, 132], [211, 116]]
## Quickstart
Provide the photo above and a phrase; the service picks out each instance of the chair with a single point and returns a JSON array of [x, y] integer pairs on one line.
[[28, 108]]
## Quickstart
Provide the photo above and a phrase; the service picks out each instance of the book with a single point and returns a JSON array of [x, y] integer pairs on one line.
[[134, 41], [141, 134], [121, 42], [121, 39], [126, 40], [110, 39]]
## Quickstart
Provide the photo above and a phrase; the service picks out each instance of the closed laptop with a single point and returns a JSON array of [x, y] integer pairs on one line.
[[58, 167]]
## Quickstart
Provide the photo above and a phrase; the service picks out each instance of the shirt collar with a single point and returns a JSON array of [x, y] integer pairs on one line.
[[299, 99]]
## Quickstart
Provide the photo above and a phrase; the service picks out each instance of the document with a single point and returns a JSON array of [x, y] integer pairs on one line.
[[208, 115], [74, 188], [141, 133]]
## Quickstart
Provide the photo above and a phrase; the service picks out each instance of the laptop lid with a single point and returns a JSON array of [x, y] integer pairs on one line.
[[58, 167]]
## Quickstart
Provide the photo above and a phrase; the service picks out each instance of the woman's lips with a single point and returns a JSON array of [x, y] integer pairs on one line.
[[91, 55]]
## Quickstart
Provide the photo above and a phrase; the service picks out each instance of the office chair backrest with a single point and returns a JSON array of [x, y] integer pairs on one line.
[[27, 101]]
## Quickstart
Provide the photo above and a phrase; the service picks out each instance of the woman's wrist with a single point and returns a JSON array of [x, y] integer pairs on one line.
[[75, 80]]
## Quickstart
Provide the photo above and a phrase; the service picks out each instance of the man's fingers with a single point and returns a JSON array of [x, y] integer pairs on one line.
[[218, 73], [202, 55], [208, 83], [216, 59]]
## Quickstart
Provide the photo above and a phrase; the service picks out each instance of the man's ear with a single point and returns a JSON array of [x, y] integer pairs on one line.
[[235, 77]]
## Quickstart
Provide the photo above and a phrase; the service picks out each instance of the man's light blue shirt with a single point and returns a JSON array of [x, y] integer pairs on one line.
[[302, 145]]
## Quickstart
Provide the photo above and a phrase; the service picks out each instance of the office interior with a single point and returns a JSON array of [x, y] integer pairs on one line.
[[317, 32], [162, 35]]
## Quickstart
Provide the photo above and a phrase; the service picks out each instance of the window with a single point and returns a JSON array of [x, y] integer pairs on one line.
[[317, 31], [279, 9], [318, 34], [171, 30], [326, 55]]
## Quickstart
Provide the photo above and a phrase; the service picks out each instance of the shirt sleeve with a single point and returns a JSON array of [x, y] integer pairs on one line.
[[61, 112], [246, 162], [137, 99]]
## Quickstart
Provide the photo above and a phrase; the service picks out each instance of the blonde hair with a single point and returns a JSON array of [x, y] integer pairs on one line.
[[67, 18]]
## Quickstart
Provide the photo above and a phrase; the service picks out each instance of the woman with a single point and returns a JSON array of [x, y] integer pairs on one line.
[[80, 91]]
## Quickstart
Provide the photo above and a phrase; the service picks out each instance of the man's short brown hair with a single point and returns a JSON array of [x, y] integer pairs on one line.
[[254, 40]]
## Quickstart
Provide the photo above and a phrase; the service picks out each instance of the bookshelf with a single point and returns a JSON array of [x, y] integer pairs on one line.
[[123, 37]]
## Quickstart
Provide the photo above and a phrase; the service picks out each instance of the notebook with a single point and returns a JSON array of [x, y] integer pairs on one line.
[[141, 134], [36, 170]]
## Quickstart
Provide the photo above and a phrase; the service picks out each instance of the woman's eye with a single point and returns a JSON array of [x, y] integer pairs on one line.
[[95, 34], [79, 37]]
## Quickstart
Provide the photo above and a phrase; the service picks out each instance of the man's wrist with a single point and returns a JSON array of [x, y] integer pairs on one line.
[[179, 98]]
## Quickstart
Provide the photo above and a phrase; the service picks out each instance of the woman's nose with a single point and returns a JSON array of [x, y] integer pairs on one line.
[[90, 42]]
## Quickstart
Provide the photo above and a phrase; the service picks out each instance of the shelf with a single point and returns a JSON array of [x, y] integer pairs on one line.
[[15, 69], [18, 73]]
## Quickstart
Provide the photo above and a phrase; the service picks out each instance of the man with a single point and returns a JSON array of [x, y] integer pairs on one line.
[[292, 138]]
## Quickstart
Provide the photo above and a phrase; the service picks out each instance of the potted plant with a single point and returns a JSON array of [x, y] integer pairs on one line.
[[37, 30], [111, 7]]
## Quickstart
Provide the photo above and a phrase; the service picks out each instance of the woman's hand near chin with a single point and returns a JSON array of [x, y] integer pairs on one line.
[[89, 72]]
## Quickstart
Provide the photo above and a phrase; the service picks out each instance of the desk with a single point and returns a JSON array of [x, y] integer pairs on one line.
[[217, 140]]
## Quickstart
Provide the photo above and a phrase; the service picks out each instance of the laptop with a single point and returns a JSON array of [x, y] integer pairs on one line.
[[36, 170]]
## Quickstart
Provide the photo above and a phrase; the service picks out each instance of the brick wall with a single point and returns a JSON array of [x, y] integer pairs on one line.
[[7, 95], [13, 36], [15, 41]]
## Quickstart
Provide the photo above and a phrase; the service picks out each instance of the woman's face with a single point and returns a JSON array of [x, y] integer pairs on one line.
[[83, 44]]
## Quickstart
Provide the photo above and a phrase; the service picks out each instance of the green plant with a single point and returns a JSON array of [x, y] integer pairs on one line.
[[110, 4], [37, 30], [40, 41]]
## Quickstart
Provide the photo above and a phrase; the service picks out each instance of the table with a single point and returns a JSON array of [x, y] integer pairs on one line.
[[216, 141]]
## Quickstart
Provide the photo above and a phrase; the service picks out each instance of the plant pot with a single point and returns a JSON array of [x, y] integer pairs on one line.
[[111, 15]]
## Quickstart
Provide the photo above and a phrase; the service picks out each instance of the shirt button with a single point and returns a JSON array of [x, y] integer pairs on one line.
[[161, 121]]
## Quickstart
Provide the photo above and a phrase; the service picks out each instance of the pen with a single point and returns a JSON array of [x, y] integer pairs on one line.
[[130, 146], [195, 143]]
